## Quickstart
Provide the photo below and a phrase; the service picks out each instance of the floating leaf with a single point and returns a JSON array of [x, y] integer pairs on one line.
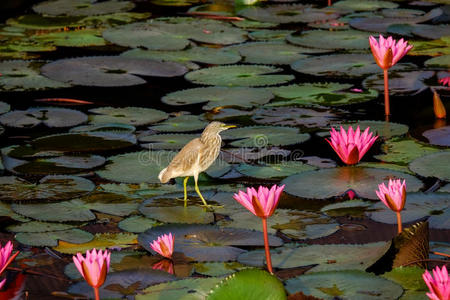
[[219, 97], [4, 107], [346, 208], [136, 116], [328, 94], [49, 116], [78, 38], [6, 211], [380, 128], [251, 284], [51, 238], [333, 40], [355, 5], [408, 277], [400, 83], [355, 285], [431, 165], [19, 75], [438, 136], [269, 35], [336, 181], [206, 242], [166, 141], [109, 71], [218, 268], [49, 188], [431, 48], [263, 136], [100, 241], [36, 226], [81, 7], [401, 13], [433, 32], [343, 65], [441, 220], [332, 257], [441, 62], [180, 124], [293, 116], [238, 75], [279, 170], [107, 127], [136, 224]]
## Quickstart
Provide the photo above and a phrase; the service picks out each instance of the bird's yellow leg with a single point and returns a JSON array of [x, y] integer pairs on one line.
[[200, 194], [185, 190]]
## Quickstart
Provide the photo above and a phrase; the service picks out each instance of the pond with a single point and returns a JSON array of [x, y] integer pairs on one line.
[[97, 98]]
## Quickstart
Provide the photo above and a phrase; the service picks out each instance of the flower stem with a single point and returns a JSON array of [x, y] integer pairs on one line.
[[97, 293], [266, 246], [399, 222], [387, 110], [329, 2]]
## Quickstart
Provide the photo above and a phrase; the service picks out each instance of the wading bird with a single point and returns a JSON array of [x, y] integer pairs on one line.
[[196, 157]]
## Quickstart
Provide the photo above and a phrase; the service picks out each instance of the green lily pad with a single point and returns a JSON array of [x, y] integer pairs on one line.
[[51, 238], [328, 94], [293, 224], [206, 242], [333, 40], [400, 83], [36, 226], [101, 241], [166, 141], [404, 150], [174, 33], [440, 62], [20, 75], [355, 285], [250, 284], [293, 116], [135, 116], [380, 128], [249, 24], [181, 123], [287, 13], [269, 35], [219, 97], [440, 221], [409, 278], [185, 289], [433, 32], [196, 54], [79, 38], [387, 166], [430, 48], [218, 268], [136, 224], [279, 170], [431, 165], [109, 71], [334, 257], [370, 5], [107, 127], [48, 116], [6, 211], [263, 136], [4, 107], [81, 7], [49, 188], [401, 13], [271, 53], [344, 65], [335, 181], [238, 75], [346, 208], [417, 206]]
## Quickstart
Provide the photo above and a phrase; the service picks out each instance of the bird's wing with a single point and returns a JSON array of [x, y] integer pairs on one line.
[[186, 158]]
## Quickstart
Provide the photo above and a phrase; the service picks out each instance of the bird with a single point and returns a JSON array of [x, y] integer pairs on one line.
[[195, 157]]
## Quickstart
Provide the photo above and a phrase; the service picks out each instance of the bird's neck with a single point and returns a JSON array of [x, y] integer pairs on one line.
[[213, 139]]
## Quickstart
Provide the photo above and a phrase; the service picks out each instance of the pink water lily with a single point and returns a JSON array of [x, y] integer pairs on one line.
[[393, 196], [94, 267], [439, 284], [352, 145], [387, 52], [6, 259], [445, 81], [163, 245]]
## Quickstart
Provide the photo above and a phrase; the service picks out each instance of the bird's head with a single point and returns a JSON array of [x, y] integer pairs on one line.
[[216, 127]]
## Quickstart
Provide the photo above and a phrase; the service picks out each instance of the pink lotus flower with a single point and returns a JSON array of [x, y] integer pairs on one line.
[[94, 267], [439, 285], [163, 245], [394, 197], [445, 81], [261, 203], [387, 52], [6, 259], [351, 146]]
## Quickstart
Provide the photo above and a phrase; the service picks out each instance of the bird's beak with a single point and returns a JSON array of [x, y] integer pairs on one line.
[[229, 126]]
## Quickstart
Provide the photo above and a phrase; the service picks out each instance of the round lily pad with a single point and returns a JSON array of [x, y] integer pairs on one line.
[[326, 257], [206, 242], [271, 53], [49, 116], [380, 128], [343, 65], [355, 285], [336, 181], [238, 75], [219, 97], [263, 136], [135, 116], [51, 238], [174, 33], [250, 284], [431, 165], [438, 136], [180, 124], [279, 170], [440, 221], [400, 83], [36, 226], [333, 40], [6, 211], [218, 268], [20, 75], [79, 38], [293, 116], [49, 188], [106, 127], [355, 5], [286, 13], [440, 62], [136, 224], [81, 7], [166, 141], [204, 55], [327, 94], [269, 35], [101, 241], [4, 107], [109, 71], [431, 48], [433, 32], [346, 208]]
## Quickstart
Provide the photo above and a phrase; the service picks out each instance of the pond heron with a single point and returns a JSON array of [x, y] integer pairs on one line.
[[195, 157]]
